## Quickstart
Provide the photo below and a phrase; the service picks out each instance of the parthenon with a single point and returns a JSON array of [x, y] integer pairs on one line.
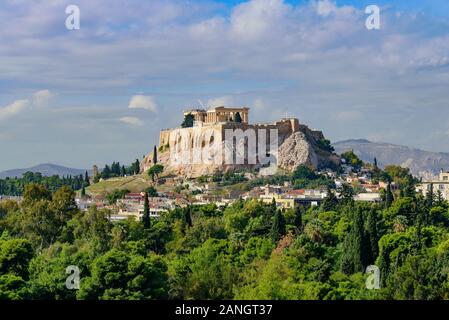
[[219, 114]]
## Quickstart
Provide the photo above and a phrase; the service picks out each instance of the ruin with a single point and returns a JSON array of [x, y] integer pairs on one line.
[[202, 149]]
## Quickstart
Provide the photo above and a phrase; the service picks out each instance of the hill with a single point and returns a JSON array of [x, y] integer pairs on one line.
[[46, 169], [421, 163]]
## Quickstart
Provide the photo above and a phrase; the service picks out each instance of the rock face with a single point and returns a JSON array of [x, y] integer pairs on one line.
[[295, 151], [298, 145]]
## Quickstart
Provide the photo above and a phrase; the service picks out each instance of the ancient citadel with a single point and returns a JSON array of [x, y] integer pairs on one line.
[[287, 143]]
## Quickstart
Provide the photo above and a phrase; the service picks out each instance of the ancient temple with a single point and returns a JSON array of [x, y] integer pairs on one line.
[[218, 114]]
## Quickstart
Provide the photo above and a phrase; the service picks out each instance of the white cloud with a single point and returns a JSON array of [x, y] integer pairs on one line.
[[13, 109], [225, 101], [325, 7], [143, 102], [133, 121], [41, 98]]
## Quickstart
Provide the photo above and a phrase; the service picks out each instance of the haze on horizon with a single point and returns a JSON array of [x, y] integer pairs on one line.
[[102, 93]]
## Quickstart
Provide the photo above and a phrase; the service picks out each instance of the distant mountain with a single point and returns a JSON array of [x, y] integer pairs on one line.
[[46, 169], [421, 163]]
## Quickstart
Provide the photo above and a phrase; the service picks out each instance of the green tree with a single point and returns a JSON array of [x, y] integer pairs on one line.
[[155, 171], [278, 227], [154, 155], [152, 192], [86, 179], [352, 160], [354, 247], [15, 255], [298, 218], [330, 201], [146, 213], [238, 118], [347, 194], [188, 121], [389, 198], [372, 235]]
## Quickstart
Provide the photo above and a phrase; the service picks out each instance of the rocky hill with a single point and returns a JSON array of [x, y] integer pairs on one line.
[[421, 163], [296, 147]]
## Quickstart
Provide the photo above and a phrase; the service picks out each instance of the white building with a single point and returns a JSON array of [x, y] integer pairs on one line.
[[441, 184]]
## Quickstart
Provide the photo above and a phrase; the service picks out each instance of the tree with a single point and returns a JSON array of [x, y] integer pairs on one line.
[[389, 198], [278, 227], [106, 173], [372, 235], [136, 167], [430, 197], [146, 213], [15, 255], [83, 192], [375, 163], [187, 215], [154, 155], [155, 170], [86, 179], [352, 160], [303, 172], [238, 118], [298, 218], [35, 192], [355, 246], [188, 121], [123, 171], [152, 192], [330, 201], [347, 194]]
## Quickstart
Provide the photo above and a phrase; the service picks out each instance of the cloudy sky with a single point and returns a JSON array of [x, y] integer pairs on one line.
[[102, 93]]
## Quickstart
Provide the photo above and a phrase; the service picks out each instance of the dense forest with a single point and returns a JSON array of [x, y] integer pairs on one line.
[[247, 250], [15, 186]]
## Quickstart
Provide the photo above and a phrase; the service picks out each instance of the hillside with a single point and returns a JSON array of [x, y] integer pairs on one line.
[[46, 169], [420, 162]]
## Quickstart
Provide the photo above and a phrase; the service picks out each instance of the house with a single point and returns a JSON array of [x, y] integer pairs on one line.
[[439, 185], [368, 197]]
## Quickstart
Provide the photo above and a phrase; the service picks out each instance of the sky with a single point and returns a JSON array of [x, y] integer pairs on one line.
[[102, 93]]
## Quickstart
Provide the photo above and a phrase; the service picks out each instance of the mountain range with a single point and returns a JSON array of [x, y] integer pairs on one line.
[[422, 163], [46, 169]]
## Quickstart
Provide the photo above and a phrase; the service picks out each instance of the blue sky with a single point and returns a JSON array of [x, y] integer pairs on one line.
[[102, 93]]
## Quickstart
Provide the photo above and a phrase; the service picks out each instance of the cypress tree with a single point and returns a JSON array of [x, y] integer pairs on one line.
[[372, 236], [355, 246], [83, 192], [86, 179], [278, 227], [388, 196], [430, 197], [146, 212], [154, 155], [187, 216], [137, 167], [298, 218], [330, 201]]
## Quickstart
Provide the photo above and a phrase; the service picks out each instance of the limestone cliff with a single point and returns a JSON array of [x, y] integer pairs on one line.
[[298, 145]]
